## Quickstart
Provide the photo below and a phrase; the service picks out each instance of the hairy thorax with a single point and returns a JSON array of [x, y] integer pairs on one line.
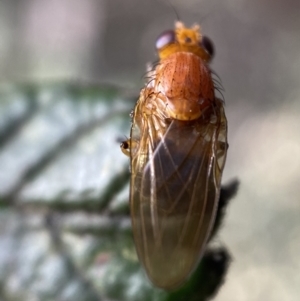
[[183, 83]]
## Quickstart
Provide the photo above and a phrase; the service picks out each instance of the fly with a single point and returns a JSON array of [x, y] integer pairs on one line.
[[177, 148]]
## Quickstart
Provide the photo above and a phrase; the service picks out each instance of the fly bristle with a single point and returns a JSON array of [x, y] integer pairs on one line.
[[218, 84]]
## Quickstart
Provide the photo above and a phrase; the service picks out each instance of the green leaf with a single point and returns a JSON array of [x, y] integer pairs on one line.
[[62, 176]]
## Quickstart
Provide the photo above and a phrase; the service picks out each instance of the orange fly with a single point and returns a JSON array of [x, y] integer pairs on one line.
[[177, 148]]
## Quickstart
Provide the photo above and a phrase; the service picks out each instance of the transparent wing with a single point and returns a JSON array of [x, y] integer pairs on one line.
[[175, 182]]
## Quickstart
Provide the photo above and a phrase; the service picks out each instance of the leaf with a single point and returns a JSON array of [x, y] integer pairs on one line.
[[59, 159]]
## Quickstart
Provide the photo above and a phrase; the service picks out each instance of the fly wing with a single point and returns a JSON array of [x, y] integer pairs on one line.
[[175, 183]]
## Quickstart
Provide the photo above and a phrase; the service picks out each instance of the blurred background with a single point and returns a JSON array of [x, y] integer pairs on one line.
[[100, 41]]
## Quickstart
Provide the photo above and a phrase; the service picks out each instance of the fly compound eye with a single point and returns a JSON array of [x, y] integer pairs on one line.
[[208, 45], [166, 38]]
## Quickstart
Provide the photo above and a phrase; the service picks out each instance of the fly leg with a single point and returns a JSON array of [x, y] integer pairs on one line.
[[127, 146]]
